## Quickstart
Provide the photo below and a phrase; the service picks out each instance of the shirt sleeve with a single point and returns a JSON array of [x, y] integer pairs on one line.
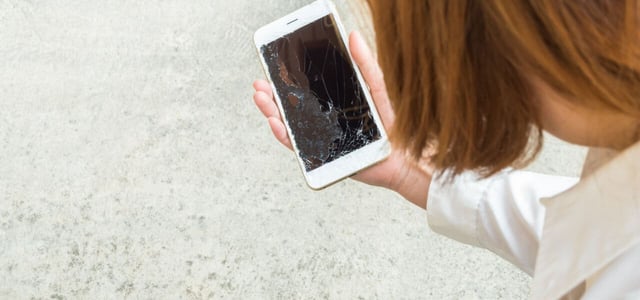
[[501, 213]]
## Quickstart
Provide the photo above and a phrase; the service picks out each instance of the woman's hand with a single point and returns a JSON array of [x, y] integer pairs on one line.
[[397, 172]]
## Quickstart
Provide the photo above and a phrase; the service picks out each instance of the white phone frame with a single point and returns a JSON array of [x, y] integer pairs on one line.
[[355, 161]]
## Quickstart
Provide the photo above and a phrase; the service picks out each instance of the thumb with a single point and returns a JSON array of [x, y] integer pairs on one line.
[[363, 57]]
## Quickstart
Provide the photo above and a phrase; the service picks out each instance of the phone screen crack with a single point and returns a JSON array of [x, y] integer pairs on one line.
[[324, 104]]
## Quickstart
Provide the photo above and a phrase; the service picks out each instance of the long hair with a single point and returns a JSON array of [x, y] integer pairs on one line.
[[459, 73]]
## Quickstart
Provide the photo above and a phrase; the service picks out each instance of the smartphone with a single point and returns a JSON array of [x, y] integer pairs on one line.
[[324, 102]]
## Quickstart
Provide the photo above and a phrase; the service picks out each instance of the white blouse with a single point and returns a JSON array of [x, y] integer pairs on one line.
[[577, 239]]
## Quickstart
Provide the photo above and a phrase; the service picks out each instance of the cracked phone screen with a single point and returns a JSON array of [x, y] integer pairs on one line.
[[322, 98]]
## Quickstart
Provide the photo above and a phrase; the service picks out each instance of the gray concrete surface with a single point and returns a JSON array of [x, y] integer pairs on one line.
[[134, 165]]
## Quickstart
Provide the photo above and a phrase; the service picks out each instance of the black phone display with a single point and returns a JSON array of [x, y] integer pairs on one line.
[[323, 102]]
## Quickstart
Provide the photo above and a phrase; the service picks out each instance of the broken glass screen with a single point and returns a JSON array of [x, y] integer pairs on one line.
[[322, 99]]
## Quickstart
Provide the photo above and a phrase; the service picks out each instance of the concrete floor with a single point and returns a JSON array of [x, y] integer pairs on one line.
[[133, 164]]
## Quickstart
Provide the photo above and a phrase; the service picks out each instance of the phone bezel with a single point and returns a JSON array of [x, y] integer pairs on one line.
[[355, 161]]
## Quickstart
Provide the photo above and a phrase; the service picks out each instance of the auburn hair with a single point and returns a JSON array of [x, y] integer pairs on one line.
[[459, 73]]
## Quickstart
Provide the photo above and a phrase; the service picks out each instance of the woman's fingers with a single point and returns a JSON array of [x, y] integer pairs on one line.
[[280, 132], [263, 97], [264, 86], [266, 105]]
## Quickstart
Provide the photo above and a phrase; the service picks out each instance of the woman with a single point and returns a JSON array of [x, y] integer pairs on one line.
[[472, 85]]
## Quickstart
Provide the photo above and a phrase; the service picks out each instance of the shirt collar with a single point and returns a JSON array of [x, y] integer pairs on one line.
[[589, 225]]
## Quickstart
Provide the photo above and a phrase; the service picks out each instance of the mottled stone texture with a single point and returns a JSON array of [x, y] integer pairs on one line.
[[134, 165]]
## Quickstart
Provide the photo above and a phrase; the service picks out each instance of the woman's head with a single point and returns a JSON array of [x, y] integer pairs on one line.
[[476, 81]]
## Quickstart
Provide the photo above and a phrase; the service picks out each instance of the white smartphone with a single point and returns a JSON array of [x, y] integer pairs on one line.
[[326, 106]]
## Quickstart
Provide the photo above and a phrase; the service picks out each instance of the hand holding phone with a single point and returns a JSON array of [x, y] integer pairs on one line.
[[325, 107], [379, 174], [396, 172]]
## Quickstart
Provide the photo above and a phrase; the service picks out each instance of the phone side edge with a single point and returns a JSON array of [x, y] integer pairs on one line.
[[365, 86]]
